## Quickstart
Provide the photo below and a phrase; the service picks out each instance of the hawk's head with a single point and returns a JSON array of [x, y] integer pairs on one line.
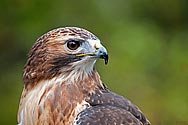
[[68, 50]]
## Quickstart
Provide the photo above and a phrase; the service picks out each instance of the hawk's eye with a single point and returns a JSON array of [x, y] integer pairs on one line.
[[73, 44]]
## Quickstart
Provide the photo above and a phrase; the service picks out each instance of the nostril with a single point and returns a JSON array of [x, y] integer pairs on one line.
[[102, 52], [96, 47]]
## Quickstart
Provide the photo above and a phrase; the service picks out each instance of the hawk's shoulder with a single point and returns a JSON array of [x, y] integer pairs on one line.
[[110, 108]]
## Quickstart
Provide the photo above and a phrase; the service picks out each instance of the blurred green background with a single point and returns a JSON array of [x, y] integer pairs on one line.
[[147, 42]]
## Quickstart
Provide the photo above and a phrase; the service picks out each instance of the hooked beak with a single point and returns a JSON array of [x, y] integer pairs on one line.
[[100, 53]]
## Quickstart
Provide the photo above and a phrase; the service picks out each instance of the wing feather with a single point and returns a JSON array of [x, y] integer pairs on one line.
[[106, 97], [106, 115]]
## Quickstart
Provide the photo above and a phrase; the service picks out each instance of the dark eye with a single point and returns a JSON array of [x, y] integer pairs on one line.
[[73, 44]]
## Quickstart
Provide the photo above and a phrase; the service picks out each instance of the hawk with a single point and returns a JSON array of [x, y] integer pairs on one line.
[[62, 86]]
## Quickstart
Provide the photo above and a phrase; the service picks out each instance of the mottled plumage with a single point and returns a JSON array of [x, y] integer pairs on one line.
[[62, 87]]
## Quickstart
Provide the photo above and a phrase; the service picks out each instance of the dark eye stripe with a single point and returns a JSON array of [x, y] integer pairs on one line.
[[61, 61]]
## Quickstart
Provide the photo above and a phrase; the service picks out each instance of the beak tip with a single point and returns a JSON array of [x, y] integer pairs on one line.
[[106, 60], [105, 57]]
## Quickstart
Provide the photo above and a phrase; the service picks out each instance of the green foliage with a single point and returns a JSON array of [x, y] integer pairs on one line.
[[147, 42]]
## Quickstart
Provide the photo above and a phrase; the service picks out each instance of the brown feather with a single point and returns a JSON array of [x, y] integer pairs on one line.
[[56, 102]]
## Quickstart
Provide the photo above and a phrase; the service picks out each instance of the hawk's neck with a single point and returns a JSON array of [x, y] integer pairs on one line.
[[58, 99]]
